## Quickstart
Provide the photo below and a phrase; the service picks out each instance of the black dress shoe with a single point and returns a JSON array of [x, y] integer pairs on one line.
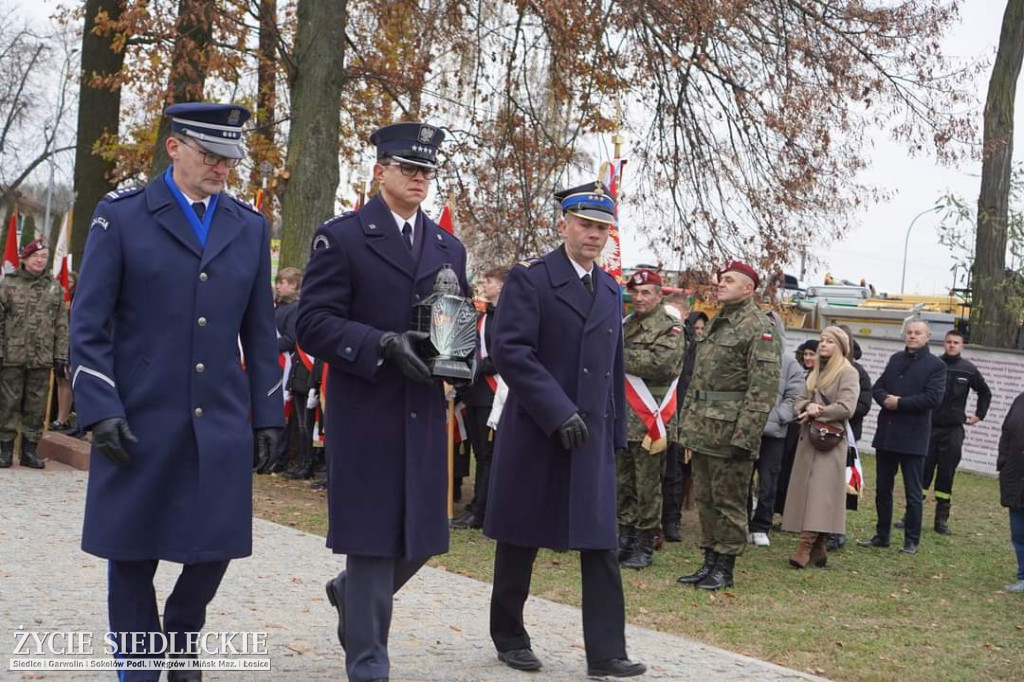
[[873, 542], [909, 548], [616, 667], [520, 659], [336, 596], [467, 521]]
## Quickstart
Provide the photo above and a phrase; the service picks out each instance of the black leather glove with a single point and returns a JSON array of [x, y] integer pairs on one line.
[[60, 368], [109, 437], [401, 350], [739, 453], [267, 442], [573, 432]]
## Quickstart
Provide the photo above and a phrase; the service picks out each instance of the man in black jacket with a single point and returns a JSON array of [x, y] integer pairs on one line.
[[946, 444], [909, 389], [479, 397]]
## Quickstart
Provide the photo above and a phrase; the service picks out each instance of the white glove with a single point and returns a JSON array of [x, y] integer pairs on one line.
[[287, 396], [313, 399]]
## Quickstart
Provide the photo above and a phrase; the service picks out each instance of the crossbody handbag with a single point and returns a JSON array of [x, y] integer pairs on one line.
[[823, 435]]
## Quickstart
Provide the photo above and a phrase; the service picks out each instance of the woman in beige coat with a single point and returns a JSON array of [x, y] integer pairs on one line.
[[816, 500]]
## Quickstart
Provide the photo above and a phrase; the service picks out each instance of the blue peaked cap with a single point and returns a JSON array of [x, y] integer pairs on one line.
[[592, 201], [409, 142], [216, 127]]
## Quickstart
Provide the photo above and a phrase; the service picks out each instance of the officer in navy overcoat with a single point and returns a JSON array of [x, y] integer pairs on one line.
[[175, 286], [386, 452], [558, 345]]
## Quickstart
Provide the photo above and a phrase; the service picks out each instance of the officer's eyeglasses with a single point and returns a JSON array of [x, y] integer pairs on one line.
[[211, 159], [410, 170]]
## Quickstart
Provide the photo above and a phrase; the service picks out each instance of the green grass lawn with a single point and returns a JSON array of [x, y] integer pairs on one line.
[[873, 614]]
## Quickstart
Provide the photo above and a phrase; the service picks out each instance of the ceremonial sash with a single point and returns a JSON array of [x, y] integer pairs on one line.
[[481, 325], [460, 423], [653, 415], [855, 473]]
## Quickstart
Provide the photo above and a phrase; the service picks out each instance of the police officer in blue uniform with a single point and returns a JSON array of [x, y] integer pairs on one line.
[[175, 277], [386, 455], [558, 345]]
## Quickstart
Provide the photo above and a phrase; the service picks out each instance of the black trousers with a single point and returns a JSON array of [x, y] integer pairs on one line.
[[483, 448], [672, 485], [945, 448], [788, 457], [132, 607], [604, 608], [912, 466], [369, 585], [767, 468]]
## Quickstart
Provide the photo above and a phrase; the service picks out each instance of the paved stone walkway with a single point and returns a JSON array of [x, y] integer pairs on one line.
[[439, 632]]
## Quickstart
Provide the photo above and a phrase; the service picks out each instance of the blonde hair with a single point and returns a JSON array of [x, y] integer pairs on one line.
[[823, 376]]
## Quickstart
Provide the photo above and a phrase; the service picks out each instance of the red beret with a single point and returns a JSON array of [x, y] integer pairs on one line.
[[736, 266], [641, 277], [32, 247]]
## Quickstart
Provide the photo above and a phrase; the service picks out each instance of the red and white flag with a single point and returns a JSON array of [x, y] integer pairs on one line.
[[11, 260], [611, 257], [62, 264]]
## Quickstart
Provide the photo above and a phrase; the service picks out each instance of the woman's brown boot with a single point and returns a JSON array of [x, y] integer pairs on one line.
[[819, 553], [802, 556]]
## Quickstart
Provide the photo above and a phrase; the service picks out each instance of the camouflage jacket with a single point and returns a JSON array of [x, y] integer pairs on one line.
[[653, 349], [735, 382], [33, 320]]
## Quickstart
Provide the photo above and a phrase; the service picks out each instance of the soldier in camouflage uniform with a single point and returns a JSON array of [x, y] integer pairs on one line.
[[33, 338], [654, 345], [734, 386]]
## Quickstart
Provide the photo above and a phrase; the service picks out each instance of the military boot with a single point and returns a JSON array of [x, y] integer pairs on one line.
[[303, 470], [6, 453], [643, 551], [720, 576], [627, 540], [942, 517], [29, 458], [673, 532], [702, 572]]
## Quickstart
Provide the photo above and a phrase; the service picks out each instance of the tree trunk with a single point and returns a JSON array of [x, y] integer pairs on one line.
[[266, 100], [312, 161], [99, 110], [992, 319], [188, 68]]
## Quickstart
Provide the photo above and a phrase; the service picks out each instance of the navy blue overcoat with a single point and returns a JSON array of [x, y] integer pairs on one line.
[[559, 349], [386, 440], [156, 328], [919, 379]]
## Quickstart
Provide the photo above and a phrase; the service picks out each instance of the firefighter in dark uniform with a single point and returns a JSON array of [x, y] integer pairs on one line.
[[558, 345], [176, 276], [945, 446], [386, 460]]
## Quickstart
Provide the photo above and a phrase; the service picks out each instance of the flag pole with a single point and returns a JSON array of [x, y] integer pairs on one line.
[[451, 458]]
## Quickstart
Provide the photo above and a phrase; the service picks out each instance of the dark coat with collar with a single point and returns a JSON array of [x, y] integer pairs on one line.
[[559, 348], [155, 334], [1010, 462], [919, 379], [387, 448]]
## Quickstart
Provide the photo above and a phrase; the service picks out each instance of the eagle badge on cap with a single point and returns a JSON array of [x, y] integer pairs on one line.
[[638, 278], [233, 117], [426, 134]]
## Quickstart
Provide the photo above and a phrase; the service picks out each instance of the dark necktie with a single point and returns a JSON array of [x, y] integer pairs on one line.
[[588, 283], [200, 209], [407, 235]]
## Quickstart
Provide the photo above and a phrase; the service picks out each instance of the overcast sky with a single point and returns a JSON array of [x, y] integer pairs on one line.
[[874, 249]]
